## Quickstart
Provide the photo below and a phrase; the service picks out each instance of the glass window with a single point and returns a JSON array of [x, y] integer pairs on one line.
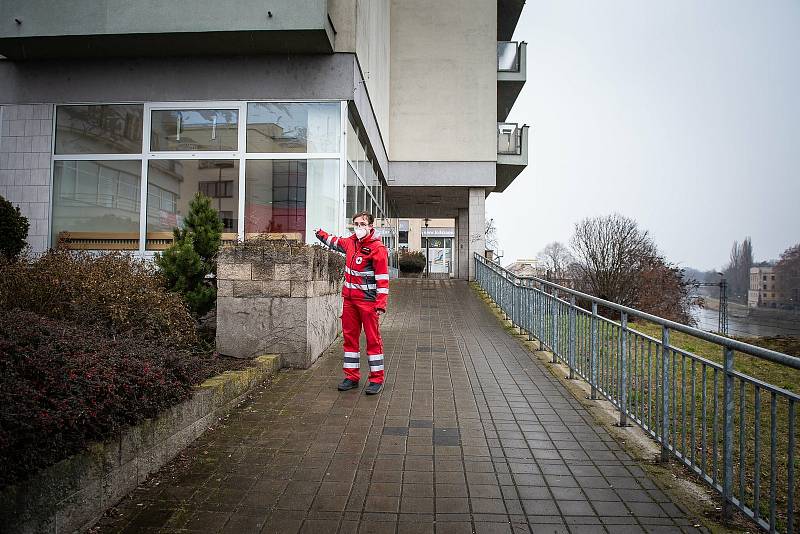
[[102, 129], [293, 127], [361, 197], [403, 238], [97, 197], [194, 130], [351, 206], [171, 185], [353, 144], [277, 193]]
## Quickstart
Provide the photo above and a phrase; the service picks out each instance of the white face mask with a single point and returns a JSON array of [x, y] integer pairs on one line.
[[361, 232]]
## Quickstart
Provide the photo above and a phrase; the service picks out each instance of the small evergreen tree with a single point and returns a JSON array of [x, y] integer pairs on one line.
[[13, 230], [187, 262], [206, 227]]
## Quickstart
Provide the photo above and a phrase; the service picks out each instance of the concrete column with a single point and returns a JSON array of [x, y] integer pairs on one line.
[[477, 226], [462, 244]]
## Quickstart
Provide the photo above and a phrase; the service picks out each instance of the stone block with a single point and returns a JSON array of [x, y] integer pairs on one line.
[[8, 144], [224, 288], [42, 111], [24, 112], [276, 288], [301, 289], [44, 161], [42, 193], [292, 271], [15, 161], [228, 271], [9, 113], [263, 269], [246, 288], [39, 177]]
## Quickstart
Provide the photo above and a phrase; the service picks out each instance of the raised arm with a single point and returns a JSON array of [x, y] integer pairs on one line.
[[333, 242]]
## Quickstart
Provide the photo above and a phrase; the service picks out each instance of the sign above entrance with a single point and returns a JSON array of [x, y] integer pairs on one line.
[[438, 232]]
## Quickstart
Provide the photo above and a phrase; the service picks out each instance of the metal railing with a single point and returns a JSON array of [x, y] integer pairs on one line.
[[507, 56], [509, 138], [736, 432]]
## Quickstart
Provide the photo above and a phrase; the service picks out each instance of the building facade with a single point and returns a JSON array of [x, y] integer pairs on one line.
[[763, 292], [291, 116]]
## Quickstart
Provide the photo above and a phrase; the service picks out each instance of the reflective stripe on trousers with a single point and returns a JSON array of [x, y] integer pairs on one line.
[[355, 315]]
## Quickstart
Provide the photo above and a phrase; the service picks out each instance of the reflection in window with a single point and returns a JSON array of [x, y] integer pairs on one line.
[[171, 185], [99, 129], [351, 207], [194, 129], [293, 127], [276, 196], [98, 197]]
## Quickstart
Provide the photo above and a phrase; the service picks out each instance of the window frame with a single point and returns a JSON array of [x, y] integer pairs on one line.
[[241, 106]]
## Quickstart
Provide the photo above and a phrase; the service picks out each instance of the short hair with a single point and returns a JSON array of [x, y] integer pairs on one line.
[[368, 215]]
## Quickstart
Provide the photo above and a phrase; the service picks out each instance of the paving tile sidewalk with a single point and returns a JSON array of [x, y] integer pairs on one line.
[[469, 435]]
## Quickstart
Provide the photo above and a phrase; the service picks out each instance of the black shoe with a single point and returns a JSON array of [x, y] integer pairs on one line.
[[347, 384], [373, 388]]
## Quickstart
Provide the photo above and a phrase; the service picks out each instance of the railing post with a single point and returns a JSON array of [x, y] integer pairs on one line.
[[572, 340], [727, 438], [665, 394], [593, 352], [555, 325], [529, 296], [623, 374]]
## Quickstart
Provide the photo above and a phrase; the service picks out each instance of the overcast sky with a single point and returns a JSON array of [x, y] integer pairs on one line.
[[682, 114]]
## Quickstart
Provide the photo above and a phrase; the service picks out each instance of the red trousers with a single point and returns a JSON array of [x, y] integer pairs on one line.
[[355, 314]]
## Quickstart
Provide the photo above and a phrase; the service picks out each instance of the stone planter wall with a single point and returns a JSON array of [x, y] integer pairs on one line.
[[74, 493], [280, 299]]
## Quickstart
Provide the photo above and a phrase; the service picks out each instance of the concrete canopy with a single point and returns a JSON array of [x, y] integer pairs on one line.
[[419, 202]]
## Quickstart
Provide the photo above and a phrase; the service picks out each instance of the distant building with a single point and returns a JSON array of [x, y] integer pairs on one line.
[[526, 268], [763, 292]]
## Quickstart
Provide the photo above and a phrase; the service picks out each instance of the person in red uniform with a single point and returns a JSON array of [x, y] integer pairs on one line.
[[365, 294]]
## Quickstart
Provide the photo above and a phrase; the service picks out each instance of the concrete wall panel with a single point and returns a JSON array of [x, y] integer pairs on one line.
[[443, 80]]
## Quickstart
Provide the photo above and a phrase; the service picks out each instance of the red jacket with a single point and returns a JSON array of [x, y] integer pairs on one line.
[[366, 272]]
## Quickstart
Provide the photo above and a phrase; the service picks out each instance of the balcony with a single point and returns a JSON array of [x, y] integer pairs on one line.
[[38, 29], [508, 13], [512, 153], [511, 74]]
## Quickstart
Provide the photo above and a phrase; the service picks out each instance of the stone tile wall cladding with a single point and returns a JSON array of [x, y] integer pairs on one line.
[[278, 299], [25, 148]]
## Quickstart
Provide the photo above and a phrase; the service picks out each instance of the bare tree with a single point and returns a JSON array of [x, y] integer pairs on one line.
[[618, 261], [737, 273], [787, 276], [555, 258], [610, 253], [490, 236]]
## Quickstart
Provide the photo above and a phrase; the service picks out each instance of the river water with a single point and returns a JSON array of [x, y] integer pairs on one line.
[[708, 319]]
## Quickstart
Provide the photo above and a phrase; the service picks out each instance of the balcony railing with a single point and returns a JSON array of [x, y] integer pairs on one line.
[[509, 139], [736, 432], [508, 56]]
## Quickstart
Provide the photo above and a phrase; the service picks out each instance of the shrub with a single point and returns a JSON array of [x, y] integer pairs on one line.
[[114, 292], [63, 385], [13, 230], [412, 262], [187, 262]]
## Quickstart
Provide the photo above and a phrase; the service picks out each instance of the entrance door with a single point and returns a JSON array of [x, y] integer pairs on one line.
[[441, 254]]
